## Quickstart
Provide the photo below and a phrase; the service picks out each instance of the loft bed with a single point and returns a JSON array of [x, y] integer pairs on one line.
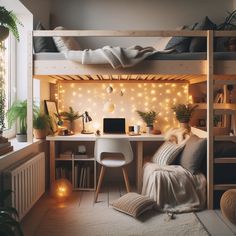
[[213, 68], [184, 67]]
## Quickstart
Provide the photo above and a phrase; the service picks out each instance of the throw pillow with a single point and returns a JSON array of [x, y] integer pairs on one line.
[[180, 44], [198, 44], [193, 154], [167, 153], [133, 204], [43, 44], [65, 43]]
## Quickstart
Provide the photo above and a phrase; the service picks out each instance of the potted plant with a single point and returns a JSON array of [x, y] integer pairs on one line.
[[149, 118], [70, 116], [8, 22], [9, 225], [183, 113], [41, 124], [229, 24], [18, 113]]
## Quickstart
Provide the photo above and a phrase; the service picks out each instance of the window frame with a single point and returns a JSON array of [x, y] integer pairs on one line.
[[11, 56]]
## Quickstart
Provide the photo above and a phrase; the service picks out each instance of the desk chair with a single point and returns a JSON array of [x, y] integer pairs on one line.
[[110, 147]]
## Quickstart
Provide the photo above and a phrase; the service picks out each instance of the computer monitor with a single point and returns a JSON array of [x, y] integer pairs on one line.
[[114, 125]]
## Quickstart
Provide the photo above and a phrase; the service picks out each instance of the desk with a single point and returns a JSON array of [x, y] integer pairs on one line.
[[92, 138]]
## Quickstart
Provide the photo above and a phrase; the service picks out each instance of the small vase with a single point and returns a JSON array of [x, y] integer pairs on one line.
[[149, 129], [21, 137], [71, 126], [40, 133]]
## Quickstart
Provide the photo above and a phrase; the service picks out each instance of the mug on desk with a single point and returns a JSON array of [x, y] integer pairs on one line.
[[136, 129]]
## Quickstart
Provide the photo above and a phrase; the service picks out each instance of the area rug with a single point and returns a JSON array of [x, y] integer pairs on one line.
[[108, 222]]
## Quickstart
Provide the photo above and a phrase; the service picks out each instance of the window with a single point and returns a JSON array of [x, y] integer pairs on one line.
[[8, 57]]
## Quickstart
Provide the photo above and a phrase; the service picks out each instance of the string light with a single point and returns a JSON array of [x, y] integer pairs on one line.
[[146, 96]]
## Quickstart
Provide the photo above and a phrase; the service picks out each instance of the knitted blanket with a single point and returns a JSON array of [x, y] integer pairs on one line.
[[173, 188]]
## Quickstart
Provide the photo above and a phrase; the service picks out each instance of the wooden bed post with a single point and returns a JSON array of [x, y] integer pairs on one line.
[[210, 131], [30, 88]]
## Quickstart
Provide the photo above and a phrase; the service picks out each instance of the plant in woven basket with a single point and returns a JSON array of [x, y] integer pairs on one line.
[[148, 117], [70, 116], [183, 112], [9, 224], [41, 124], [8, 22]]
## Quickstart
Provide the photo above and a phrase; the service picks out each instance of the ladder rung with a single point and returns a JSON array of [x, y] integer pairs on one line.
[[225, 111], [224, 186], [226, 160], [225, 138], [224, 82]]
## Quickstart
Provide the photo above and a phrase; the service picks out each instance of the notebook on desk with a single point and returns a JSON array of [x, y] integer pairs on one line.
[[114, 125]]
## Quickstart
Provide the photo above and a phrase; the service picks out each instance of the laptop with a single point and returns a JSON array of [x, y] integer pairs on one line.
[[114, 125]]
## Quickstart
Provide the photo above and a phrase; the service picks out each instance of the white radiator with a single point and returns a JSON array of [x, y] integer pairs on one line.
[[27, 181]]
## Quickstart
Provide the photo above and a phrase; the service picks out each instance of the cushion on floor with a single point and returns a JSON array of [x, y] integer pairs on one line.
[[228, 205], [133, 204]]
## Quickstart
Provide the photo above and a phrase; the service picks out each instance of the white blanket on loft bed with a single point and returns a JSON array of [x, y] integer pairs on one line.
[[115, 56], [173, 188]]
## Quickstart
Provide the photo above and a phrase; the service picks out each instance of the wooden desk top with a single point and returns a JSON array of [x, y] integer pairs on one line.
[[93, 137]]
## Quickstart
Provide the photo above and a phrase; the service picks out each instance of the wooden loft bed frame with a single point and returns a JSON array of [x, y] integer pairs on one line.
[[191, 71], [213, 72]]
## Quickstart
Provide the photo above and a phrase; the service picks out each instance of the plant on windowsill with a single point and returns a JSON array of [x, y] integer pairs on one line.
[[149, 118], [8, 22], [9, 225], [41, 124], [70, 116], [17, 114], [183, 113]]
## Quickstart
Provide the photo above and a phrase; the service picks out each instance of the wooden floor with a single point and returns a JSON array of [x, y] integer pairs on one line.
[[212, 220]]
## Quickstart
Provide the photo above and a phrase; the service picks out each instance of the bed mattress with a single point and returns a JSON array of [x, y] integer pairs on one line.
[[157, 56]]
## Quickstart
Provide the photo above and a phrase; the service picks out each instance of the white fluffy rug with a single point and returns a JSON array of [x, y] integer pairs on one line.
[[107, 221]]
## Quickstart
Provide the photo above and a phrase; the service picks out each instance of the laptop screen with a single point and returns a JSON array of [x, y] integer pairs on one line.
[[114, 125]]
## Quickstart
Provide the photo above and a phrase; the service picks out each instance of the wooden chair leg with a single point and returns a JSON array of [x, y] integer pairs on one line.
[[99, 183], [125, 174]]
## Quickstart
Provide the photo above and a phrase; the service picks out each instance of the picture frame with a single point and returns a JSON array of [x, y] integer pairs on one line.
[[52, 111]]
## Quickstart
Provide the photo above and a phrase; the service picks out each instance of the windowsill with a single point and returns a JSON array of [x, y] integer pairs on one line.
[[18, 146]]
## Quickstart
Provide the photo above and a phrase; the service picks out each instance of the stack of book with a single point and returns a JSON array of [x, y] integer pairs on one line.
[[82, 176], [5, 146]]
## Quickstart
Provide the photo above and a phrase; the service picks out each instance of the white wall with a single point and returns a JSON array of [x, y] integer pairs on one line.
[[40, 10], [133, 15]]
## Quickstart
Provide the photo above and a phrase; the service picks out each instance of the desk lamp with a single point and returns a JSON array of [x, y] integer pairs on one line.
[[85, 118]]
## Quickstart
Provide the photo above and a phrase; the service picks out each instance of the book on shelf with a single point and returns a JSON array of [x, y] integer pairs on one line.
[[219, 98], [82, 176], [80, 156], [66, 154]]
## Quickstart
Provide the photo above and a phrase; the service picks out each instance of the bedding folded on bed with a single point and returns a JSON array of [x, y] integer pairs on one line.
[[115, 56]]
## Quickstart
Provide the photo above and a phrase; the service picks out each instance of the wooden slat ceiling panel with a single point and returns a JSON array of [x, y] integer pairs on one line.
[[133, 77]]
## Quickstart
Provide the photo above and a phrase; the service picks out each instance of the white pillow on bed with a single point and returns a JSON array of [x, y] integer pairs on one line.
[[167, 153], [65, 43]]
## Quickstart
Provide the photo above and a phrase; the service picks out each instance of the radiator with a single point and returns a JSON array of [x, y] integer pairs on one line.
[[27, 181]]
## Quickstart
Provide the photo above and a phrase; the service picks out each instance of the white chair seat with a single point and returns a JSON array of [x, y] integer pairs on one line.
[[112, 152], [111, 162]]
